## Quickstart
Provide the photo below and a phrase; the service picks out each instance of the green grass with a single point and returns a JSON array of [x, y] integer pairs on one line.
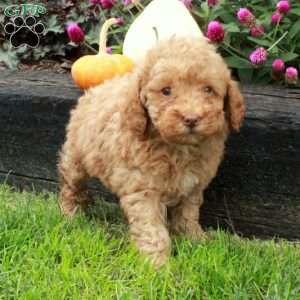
[[44, 256]]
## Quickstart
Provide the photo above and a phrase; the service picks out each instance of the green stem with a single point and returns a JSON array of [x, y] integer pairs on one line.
[[275, 32], [234, 54], [208, 15], [271, 40], [102, 15], [235, 50], [90, 47], [278, 41]]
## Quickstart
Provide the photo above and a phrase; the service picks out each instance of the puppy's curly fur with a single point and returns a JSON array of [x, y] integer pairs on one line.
[[155, 137]]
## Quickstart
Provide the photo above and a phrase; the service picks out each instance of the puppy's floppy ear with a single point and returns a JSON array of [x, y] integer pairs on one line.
[[135, 114], [234, 106]]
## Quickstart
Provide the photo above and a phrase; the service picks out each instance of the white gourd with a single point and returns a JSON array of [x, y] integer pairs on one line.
[[169, 17]]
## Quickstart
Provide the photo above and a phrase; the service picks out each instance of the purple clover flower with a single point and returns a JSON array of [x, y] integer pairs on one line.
[[107, 4], [258, 56], [215, 31], [75, 33], [212, 3], [283, 6], [120, 21], [257, 30], [276, 17], [278, 65], [187, 3], [291, 75], [246, 17]]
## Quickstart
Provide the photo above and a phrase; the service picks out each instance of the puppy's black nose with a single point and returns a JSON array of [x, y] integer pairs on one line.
[[191, 120]]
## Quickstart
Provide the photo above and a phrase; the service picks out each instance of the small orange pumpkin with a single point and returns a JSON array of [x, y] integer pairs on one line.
[[91, 70]]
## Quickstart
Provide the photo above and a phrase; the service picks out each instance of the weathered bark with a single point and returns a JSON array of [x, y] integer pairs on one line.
[[257, 191]]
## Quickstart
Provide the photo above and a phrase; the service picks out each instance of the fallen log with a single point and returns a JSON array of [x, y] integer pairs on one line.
[[257, 190]]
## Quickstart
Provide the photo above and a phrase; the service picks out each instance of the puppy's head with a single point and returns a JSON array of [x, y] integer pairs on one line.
[[186, 92]]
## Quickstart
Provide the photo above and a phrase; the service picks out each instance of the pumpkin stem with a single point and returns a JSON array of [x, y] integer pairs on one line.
[[103, 34], [156, 34]]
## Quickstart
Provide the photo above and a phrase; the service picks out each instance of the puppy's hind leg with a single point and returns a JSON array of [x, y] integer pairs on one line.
[[73, 179]]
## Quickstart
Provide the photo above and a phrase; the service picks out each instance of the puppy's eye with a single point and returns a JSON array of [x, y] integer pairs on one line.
[[166, 91], [208, 90]]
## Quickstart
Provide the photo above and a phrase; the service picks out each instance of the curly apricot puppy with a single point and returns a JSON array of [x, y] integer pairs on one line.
[[155, 137]]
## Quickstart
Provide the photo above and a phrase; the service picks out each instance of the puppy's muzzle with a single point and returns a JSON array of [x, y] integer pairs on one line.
[[191, 120]]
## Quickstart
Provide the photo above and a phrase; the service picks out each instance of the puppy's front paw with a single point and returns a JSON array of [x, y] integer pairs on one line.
[[154, 242], [158, 259]]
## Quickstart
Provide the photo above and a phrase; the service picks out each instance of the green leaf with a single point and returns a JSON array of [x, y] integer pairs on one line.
[[295, 11], [216, 12], [262, 76], [265, 80], [117, 49], [231, 27], [227, 18], [84, 5], [274, 51], [289, 56], [2, 19], [265, 18], [227, 39], [74, 16], [52, 25], [237, 62], [294, 29], [200, 14], [92, 36], [205, 8], [263, 72], [10, 58], [245, 30], [260, 42], [245, 75]]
